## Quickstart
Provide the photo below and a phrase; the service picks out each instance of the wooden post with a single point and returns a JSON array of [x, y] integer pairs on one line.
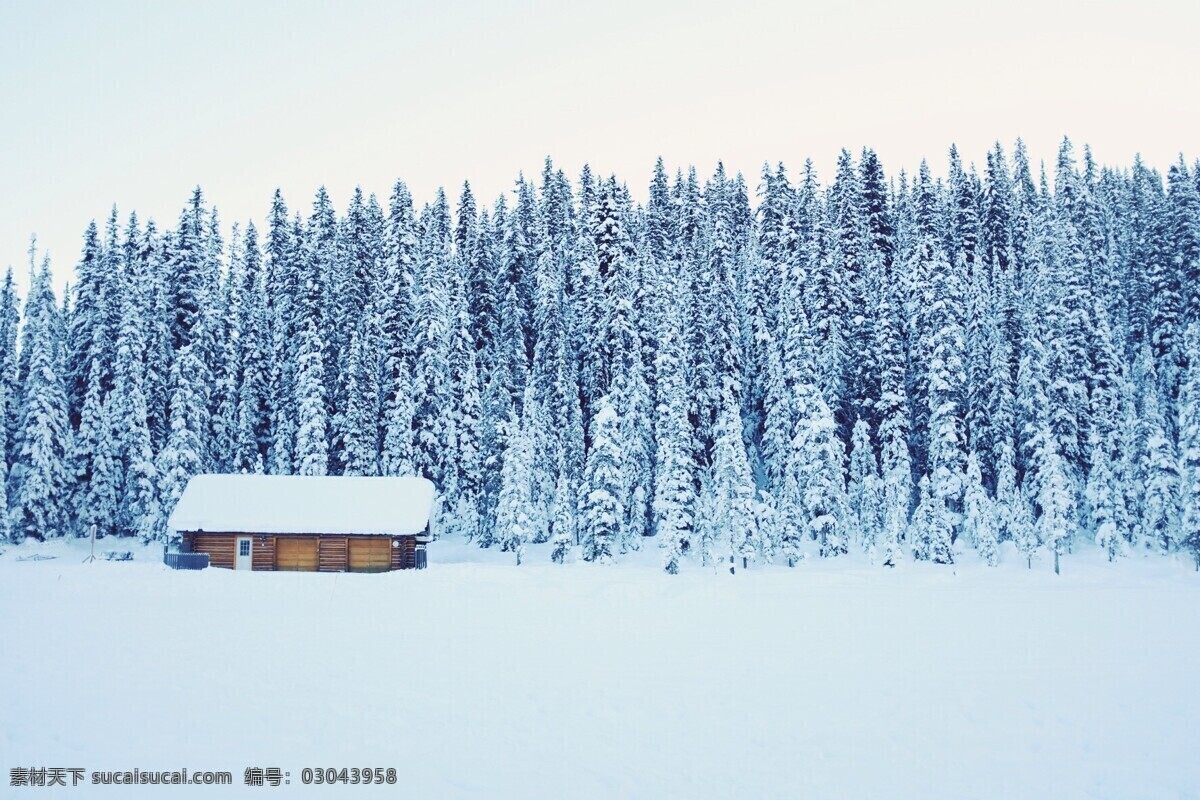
[[1056, 560], [92, 557], [732, 564]]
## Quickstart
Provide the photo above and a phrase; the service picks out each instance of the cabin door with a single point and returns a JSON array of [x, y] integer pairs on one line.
[[243, 560]]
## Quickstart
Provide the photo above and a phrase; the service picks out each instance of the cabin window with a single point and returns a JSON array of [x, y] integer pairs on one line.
[[244, 547]]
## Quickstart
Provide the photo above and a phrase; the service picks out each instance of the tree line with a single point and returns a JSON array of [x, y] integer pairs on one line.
[[905, 365]]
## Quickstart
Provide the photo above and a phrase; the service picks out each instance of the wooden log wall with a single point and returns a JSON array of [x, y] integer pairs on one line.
[[219, 546], [404, 556], [262, 553], [332, 556]]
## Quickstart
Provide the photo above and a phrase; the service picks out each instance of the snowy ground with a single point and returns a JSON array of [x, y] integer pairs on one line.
[[478, 679]]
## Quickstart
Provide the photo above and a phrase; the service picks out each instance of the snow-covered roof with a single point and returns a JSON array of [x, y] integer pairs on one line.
[[303, 504]]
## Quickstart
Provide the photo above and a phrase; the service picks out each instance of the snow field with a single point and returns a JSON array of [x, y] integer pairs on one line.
[[477, 679]]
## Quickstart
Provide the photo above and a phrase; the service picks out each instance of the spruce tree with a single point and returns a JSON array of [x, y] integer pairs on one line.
[[979, 514], [1055, 498], [602, 515], [139, 510], [496, 409], [1189, 448], [931, 528], [94, 478], [562, 521], [1160, 470], [638, 437], [466, 511], [733, 493], [359, 422], [515, 511], [1102, 495], [863, 490], [674, 482], [312, 445], [9, 330], [5, 511], [1019, 523], [897, 495], [183, 455], [817, 487], [38, 480]]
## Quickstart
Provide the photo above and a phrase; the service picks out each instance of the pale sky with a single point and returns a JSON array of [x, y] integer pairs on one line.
[[134, 103]]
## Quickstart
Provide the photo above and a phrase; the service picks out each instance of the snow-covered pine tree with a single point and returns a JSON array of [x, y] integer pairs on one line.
[[979, 514], [1000, 392], [817, 487], [91, 297], [946, 348], [1019, 522], [230, 316], [897, 494], [733, 494], [149, 269], [896, 487], [1055, 498], [674, 482], [930, 531], [1032, 412], [9, 329], [562, 521], [252, 425], [139, 510], [536, 433], [183, 455], [319, 266], [1102, 496], [359, 422], [465, 515], [397, 455], [38, 480], [496, 409], [778, 421], [708, 527], [312, 444], [362, 266], [431, 370], [1160, 471], [187, 273], [1072, 329], [863, 490], [283, 276], [548, 369], [516, 522], [571, 450], [602, 515], [638, 437], [1189, 447], [95, 478], [510, 359], [5, 511], [1183, 203], [851, 258]]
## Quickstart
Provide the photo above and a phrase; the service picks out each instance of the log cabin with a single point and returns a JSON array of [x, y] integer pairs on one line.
[[305, 523]]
